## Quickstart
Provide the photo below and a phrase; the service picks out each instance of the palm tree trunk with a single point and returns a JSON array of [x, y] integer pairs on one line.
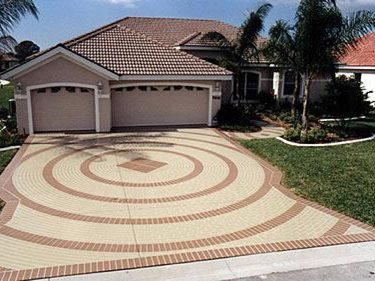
[[295, 97], [306, 94]]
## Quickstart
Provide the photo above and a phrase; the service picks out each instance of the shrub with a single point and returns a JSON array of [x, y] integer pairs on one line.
[[293, 134], [230, 114], [345, 98], [9, 140], [11, 124], [314, 135], [267, 99], [4, 113]]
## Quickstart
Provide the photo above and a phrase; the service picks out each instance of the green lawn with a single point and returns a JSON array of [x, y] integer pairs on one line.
[[341, 178], [5, 158], [6, 93]]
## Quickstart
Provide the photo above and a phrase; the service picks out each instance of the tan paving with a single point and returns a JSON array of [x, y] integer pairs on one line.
[[90, 203], [267, 131]]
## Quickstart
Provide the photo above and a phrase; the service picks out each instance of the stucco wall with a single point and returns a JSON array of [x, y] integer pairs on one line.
[[61, 70]]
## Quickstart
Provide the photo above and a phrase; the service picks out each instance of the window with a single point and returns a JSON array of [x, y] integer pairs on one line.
[[130, 89], [84, 90], [142, 88], [70, 89], [42, 90], [178, 88], [188, 88], [154, 89], [200, 89], [55, 89], [119, 89], [289, 83], [249, 86], [167, 89]]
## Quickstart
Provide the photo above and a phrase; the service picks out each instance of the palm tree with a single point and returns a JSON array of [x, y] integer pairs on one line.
[[244, 47], [11, 12], [281, 50], [323, 36]]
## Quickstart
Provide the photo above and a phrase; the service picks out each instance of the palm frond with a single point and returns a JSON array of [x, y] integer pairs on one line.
[[11, 12], [356, 26], [251, 30], [280, 47], [7, 44]]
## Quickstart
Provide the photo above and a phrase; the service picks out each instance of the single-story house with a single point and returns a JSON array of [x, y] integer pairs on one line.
[[137, 72], [361, 63]]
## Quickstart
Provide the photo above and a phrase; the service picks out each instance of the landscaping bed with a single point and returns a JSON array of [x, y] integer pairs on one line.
[[341, 178]]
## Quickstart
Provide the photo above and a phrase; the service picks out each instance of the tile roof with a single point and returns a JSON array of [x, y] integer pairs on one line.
[[129, 52], [364, 55], [172, 31]]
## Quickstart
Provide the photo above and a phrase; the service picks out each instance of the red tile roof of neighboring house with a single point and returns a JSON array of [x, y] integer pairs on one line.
[[364, 55], [128, 52]]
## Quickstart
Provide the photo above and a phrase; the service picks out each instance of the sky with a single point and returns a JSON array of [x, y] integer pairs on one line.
[[61, 20]]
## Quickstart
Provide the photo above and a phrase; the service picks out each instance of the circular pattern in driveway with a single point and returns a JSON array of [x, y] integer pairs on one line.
[[141, 198]]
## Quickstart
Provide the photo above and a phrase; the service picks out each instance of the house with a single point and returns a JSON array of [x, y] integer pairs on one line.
[[361, 63], [7, 61], [136, 72]]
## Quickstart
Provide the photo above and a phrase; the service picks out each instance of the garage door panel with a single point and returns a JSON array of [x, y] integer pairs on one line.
[[154, 108], [63, 111]]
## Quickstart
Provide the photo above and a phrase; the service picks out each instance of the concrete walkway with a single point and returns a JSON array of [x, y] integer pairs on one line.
[[335, 263], [94, 203]]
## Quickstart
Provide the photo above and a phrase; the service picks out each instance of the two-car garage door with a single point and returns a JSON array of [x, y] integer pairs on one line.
[[159, 106]]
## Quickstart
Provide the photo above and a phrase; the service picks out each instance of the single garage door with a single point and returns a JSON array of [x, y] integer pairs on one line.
[[159, 106], [63, 109]]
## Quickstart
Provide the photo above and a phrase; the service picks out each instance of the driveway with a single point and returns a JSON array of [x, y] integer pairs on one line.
[[91, 203]]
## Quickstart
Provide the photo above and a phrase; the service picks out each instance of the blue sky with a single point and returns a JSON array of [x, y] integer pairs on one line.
[[63, 19]]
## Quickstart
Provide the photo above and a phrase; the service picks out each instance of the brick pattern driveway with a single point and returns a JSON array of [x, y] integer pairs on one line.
[[90, 203]]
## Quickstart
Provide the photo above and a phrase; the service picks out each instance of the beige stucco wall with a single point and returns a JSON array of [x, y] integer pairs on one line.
[[61, 70]]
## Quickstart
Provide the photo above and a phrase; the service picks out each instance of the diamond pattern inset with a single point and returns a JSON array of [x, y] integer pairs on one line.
[[142, 165]]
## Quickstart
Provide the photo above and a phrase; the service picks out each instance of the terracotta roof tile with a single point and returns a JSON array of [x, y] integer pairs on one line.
[[364, 55], [128, 52], [172, 31]]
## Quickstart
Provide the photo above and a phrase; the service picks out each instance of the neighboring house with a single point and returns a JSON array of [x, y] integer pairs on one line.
[[7, 61], [361, 63], [136, 72]]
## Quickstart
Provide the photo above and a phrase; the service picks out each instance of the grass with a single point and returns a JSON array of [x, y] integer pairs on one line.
[[5, 158], [6, 93], [341, 178]]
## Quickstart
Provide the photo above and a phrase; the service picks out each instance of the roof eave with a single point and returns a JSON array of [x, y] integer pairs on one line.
[[224, 77], [58, 50]]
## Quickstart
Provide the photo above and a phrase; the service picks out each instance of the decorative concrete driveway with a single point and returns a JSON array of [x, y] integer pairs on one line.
[[90, 203]]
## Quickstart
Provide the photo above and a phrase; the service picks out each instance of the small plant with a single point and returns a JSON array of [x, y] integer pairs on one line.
[[293, 134]]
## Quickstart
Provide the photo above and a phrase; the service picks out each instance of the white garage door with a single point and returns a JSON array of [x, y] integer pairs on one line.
[[63, 109], [159, 106]]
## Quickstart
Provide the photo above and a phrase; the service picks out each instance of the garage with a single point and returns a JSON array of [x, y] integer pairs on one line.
[[63, 109], [159, 106]]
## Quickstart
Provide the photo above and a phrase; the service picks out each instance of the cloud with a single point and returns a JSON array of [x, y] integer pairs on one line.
[[127, 3]]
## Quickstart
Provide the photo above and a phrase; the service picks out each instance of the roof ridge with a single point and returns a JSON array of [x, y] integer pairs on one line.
[[139, 34], [173, 18], [90, 34]]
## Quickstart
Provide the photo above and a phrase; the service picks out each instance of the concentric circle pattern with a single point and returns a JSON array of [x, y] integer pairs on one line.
[[88, 203]]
